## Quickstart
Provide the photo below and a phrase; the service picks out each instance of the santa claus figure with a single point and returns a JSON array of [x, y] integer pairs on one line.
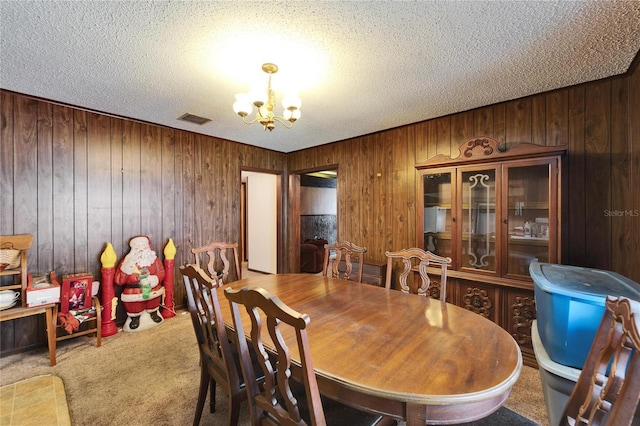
[[141, 274]]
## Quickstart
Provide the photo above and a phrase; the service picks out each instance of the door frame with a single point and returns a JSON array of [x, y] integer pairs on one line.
[[280, 216], [293, 211]]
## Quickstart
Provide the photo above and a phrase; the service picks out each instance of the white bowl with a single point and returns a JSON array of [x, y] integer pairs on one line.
[[7, 297], [10, 305]]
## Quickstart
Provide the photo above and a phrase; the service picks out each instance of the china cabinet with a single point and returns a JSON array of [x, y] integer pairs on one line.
[[493, 209]]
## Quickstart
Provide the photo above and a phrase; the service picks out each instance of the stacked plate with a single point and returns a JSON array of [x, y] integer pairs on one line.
[[8, 299]]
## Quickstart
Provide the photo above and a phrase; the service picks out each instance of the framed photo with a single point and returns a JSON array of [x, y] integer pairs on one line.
[[76, 292]]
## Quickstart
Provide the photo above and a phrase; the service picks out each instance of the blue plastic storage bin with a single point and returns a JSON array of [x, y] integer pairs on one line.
[[570, 305]]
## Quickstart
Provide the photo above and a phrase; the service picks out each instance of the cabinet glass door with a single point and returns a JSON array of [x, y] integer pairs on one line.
[[437, 189], [478, 219], [528, 217]]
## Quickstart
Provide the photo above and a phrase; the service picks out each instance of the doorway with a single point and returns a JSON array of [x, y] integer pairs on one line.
[[260, 220], [319, 206]]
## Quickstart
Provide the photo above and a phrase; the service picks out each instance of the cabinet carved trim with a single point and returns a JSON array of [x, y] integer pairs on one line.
[[478, 142], [523, 310], [491, 149], [477, 300]]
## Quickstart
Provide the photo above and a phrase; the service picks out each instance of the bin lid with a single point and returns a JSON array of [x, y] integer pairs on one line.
[[590, 284]]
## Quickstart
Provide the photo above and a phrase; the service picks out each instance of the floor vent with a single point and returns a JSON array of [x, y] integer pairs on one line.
[[195, 119]]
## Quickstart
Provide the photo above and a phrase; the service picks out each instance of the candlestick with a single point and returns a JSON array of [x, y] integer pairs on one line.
[[109, 301], [168, 307]]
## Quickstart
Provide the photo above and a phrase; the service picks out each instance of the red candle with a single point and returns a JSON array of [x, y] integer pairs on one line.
[[109, 301], [169, 307]]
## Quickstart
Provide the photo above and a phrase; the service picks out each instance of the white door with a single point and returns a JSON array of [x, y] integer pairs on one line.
[[262, 229]]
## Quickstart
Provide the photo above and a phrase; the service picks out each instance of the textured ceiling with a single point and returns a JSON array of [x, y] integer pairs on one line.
[[359, 67]]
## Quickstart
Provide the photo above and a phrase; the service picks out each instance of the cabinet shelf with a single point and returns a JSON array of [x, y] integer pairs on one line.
[[531, 205], [525, 239], [465, 207], [478, 237], [441, 205], [528, 241], [439, 235]]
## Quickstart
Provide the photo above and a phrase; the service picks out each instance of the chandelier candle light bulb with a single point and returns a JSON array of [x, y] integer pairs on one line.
[[265, 102]]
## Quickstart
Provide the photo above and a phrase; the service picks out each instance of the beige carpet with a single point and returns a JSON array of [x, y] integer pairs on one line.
[[526, 397], [151, 378]]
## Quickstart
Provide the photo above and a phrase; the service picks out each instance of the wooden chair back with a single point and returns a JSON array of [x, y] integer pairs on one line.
[[214, 258], [424, 259], [217, 361], [608, 389], [275, 402], [349, 251]]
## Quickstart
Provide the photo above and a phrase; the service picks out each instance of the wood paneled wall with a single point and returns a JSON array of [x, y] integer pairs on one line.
[[598, 121], [77, 180]]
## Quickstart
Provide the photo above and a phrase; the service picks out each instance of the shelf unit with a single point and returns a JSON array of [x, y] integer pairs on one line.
[[16, 279], [476, 207], [18, 276]]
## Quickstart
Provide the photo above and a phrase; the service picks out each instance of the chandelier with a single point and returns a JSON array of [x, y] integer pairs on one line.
[[264, 102]]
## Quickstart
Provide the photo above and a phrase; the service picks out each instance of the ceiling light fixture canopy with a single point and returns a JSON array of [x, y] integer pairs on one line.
[[265, 102]]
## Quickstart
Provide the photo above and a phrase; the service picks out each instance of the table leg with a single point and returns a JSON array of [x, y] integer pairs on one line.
[[415, 415], [50, 315]]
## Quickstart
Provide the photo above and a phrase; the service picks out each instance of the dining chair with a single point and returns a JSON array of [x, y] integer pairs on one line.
[[282, 400], [218, 359], [607, 391], [349, 250], [424, 259], [215, 257]]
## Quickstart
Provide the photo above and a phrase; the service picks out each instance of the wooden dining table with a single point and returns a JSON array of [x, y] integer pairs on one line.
[[405, 356]]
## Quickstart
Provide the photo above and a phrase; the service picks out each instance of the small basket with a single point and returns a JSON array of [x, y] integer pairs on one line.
[[10, 256]]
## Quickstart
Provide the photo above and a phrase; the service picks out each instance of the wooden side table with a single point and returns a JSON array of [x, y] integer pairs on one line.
[[47, 310]]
